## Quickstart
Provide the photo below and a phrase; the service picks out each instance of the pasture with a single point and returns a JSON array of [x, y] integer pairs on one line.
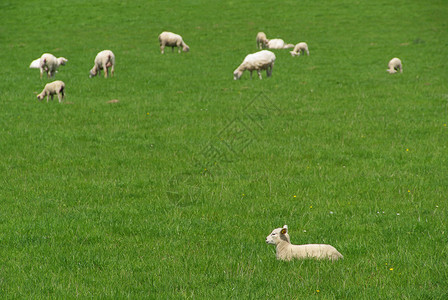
[[171, 191]]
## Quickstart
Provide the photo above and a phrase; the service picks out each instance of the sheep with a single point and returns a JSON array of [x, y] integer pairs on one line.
[[261, 60], [172, 40], [262, 41], [395, 65], [55, 87], [286, 251], [300, 48], [49, 63], [278, 44], [35, 64], [104, 60]]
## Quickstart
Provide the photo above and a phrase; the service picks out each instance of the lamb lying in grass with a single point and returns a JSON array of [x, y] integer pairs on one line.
[[52, 88], [261, 60], [394, 66], [286, 251], [278, 44]]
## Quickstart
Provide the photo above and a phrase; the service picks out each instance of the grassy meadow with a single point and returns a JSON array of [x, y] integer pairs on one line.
[[171, 192]]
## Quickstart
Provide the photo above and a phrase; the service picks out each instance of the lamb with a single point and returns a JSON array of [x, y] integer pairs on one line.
[[55, 87], [286, 251], [172, 40], [262, 41], [278, 44], [395, 65], [261, 60], [104, 60], [300, 48], [49, 63]]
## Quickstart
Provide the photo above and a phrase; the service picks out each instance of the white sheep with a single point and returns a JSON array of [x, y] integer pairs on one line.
[[395, 65], [262, 41], [286, 251], [300, 48], [278, 44], [49, 63], [104, 60], [55, 87], [261, 60], [172, 40]]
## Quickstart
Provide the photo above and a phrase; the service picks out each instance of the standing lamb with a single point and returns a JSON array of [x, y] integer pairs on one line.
[[49, 63], [286, 251], [278, 44], [262, 41], [104, 60], [55, 87], [300, 48], [261, 60], [172, 40], [395, 65]]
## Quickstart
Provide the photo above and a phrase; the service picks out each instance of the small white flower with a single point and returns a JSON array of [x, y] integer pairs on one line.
[[304, 230], [398, 214]]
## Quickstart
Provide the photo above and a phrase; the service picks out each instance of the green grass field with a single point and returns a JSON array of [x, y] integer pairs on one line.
[[170, 192]]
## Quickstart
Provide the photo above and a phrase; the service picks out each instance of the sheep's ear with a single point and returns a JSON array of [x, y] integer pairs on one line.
[[284, 230]]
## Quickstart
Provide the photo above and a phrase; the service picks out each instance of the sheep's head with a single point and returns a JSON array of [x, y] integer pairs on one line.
[[93, 73], [237, 74], [294, 53], [391, 71], [185, 48], [40, 96], [62, 61], [278, 235]]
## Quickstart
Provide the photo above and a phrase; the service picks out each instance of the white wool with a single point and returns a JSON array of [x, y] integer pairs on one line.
[[300, 48], [52, 88], [172, 40], [395, 65], [286, 251], [49, 63], [104, 60], [262, 60], [278, 44], [35, 64], [262, 41]]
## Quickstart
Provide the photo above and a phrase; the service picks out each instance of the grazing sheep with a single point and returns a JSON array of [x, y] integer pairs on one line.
[[262, 41], [49, 63], [104, 60], [172, 40], [300, 48], [395, 65], [286, 251], [55, 87], [261, 60], [278, 44]]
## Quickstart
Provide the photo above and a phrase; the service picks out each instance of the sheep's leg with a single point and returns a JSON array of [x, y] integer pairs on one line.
[[250, 75], [259, 74], [172, 49], [112, 71], [162, 48], [48, 97], [59, 97], [41, 72], [105, 71]]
